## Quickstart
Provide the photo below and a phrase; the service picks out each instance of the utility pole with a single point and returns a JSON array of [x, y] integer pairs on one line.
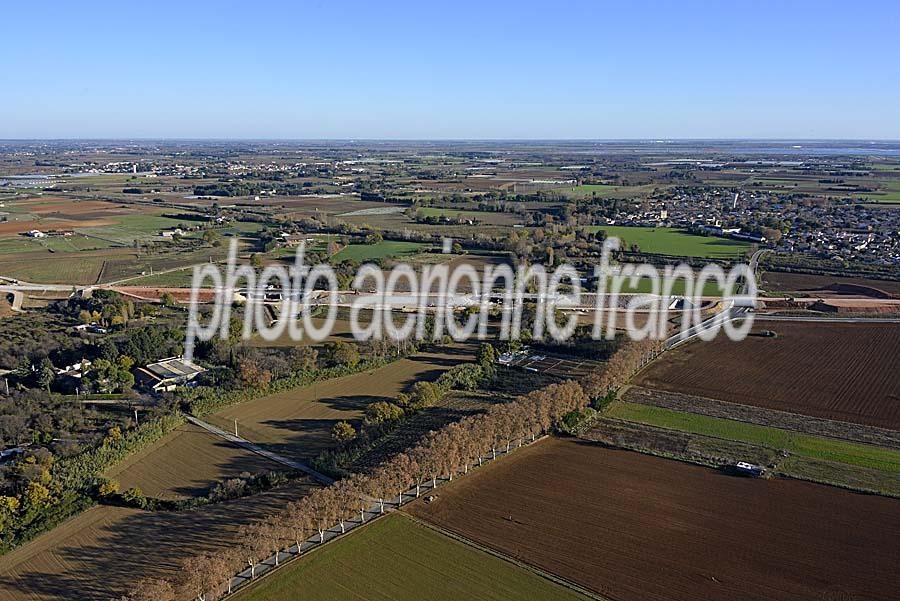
[[135, 417], [6, 383], [235, 427]]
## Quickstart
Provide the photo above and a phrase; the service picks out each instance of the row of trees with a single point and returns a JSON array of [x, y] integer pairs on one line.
[[442, 455]]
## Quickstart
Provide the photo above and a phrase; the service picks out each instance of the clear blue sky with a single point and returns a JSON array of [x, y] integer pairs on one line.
[[380, 69]]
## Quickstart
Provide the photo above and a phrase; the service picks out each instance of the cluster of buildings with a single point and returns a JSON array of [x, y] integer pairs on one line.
[[49, 233], [162, 376], [166, 375], [827, 229]]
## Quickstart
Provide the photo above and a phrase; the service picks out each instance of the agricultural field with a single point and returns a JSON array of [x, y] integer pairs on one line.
[[340, 331], [815, 285], [100, 266], [770, 418], [297, 423], [671, 241], [333, 204], [491, 217], [186, 463], [396, 559], [380, 250], [128, 228], [100, 553], [453, 262], [645, 286], [633, 527], [814, 447], [100, 249], [888, 193], [845, 372], [605, 191], [181, 278], [82, 268]]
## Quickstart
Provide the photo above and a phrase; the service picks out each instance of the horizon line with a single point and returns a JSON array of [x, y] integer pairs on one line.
[[652, 140]]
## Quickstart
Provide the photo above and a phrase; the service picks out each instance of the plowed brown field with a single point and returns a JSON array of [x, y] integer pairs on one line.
[[846, 372], [638, 528], [812, 284]]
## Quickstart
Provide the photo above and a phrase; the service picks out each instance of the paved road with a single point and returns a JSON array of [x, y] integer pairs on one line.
[[729, 312], [255, 448]]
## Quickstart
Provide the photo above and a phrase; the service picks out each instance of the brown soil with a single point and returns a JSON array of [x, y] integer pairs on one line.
[[845, 372], [18, 227], [818, 285], [634, 527]]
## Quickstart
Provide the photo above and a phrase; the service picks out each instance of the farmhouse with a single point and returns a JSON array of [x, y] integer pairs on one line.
[[93, 328], [166, 375], [292, 240]]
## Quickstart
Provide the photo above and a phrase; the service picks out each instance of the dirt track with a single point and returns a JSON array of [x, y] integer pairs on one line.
[[634, 527], [845, 372]]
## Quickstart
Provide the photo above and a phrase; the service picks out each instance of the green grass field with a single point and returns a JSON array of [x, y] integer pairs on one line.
[[372, 252], [482, 217], [67, 269], [645, 286], [814, 447], [174, 279], [671, 241], [889, 194], [133, 227], [15, 243], [398, 559]]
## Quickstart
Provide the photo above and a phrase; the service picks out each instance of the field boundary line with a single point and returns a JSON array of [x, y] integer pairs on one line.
[[246, 444], [243, 579], [507, 558], [777, 471], [755, 415]]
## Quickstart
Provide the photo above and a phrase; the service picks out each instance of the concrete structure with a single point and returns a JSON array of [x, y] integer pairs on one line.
[[166, 375]]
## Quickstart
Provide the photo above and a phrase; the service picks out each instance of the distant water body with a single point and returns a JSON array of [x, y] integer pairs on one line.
[[798, 148]]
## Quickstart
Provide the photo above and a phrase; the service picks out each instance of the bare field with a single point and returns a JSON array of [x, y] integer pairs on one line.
[[99, 553], [297, 423], [812, 285], [186, 463], [634, 527], [845, 372], [18, 227]]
